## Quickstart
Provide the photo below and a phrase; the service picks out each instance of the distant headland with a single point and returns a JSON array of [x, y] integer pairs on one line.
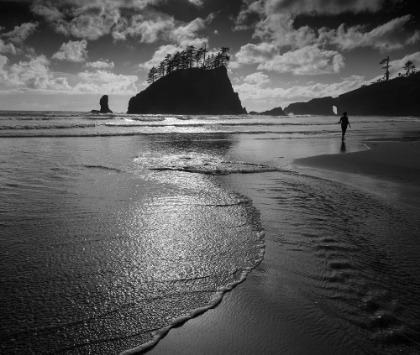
[[189, 83], [396, 97], [384, 97]]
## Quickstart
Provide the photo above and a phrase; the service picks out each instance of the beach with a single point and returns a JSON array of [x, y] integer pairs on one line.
[[278, 319], [222, 235]]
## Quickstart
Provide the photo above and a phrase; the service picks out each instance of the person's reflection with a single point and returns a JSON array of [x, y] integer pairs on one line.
[[343, 147]]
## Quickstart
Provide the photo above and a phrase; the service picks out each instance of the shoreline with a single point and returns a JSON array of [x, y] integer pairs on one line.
[[245, 321], [390, 169]]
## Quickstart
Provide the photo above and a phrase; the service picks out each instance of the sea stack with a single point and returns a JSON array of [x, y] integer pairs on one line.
[[104, 105], [192, 91]]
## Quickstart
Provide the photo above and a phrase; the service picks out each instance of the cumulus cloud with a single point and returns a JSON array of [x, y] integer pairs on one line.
[[284, 47], [270, 9], [153, 26], [72, 51], [187, 34], [159, 55], [12, 41], [255, 93], [257, 78], [7, 47], [148, 28], [3, 72], [101, 81], [121, 18], [196, 2], [20, 33], [329, 7], [35, 75], [256, 53], [32, 74], [390, 36], [276, 24], [100, 64], [309, 60], [86, 19]]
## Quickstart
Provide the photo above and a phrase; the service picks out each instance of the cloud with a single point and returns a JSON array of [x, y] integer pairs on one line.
[[198, 3], [288, 9], [255, 93], [85, 19], [257, 78], [328, 7], [3, 72], [387, 37], [309, 60], [148, 28], [100, 64], [20, 33], [159, 56], [274, 22], [7, 47], [153, 26], [32, 74], [397, 65], [121, 18], [72, 51], [105, 82], [256, 53], [12, 41]]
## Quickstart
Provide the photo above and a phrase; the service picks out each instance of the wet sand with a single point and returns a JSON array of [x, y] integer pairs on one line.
[[270, 313], [390, 169]]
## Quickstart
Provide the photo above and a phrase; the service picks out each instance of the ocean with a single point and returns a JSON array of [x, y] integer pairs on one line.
[[115, 228]]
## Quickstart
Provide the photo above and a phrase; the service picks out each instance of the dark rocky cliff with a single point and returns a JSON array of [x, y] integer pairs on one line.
[[396, 97], [189, 92], [322, 106], [277, 111]]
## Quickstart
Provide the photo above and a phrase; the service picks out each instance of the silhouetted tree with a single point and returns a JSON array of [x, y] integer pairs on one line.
[[409, 68], [161, 69], [217, 60], [385, 63], [198, 56], [190, 53], [176, 61], [225, 56], [204, 51], [152, 76], [168, 63], [185, 60], [210, 62]]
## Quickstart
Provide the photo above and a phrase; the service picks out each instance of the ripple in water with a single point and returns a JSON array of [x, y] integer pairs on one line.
[[113, 268], [353, 255]]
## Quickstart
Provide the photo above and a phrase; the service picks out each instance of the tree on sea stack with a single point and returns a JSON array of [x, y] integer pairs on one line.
[[225, 56], [187, 59], [152, 76]]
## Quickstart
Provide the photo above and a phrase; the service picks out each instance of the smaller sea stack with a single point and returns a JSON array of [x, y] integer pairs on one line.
[[104, 105]]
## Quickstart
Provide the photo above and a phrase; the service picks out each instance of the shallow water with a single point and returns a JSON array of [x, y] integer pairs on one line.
[[351, 254], [107, 241]]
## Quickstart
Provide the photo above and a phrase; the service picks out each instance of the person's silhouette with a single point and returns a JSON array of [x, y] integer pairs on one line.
[[344, 120]]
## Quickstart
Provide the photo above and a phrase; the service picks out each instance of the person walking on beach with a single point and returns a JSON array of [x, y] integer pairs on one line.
[[344, 120]]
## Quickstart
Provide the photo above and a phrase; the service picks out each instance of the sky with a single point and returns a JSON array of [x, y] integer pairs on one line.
[[63, 55]]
